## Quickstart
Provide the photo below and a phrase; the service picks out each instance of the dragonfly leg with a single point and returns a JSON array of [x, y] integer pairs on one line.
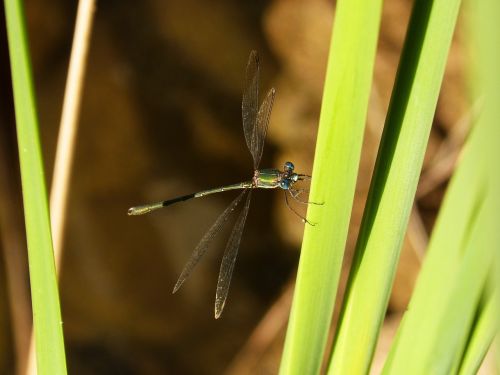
[[295, 194], [304, 220]]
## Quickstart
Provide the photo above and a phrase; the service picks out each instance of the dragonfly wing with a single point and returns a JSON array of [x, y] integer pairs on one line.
[[261, 127], [250, 101], [229, 259], [202, 246]]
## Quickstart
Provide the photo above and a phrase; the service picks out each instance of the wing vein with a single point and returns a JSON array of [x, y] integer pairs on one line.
[[261, 127], [250, 100], [202, 246], [229, 259]]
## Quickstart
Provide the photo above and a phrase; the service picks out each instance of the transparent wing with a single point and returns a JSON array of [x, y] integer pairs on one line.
[[229, 259], [202, 246], [250, 101], [261, 127]]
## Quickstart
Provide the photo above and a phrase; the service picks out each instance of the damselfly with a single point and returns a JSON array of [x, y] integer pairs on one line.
[[255, 124]]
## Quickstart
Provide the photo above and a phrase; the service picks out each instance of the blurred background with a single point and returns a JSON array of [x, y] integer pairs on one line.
[[161, 117]]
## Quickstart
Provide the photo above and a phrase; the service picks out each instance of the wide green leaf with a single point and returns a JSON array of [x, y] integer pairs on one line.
[[343, 116]]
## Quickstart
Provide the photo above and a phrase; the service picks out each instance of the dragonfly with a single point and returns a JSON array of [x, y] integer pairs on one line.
[[255, 125]]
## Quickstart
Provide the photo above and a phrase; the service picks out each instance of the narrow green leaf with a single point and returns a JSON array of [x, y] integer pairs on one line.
[[484, 331], [45, 300], [394, 183], [343, 115], [460, 257], [455, 269]]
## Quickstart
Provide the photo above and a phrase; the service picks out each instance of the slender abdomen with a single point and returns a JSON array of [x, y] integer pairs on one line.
[[240, 185]]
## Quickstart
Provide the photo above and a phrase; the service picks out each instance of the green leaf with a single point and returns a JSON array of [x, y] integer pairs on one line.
[[439, 332], [343, 115], [394, 183], [483, 333], [455, 271], [45, 299]]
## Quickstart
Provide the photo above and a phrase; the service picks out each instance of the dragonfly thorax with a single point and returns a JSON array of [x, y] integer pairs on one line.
[[274, 178]]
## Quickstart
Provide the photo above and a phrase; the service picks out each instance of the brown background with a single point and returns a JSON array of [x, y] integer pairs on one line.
[[161, 117]]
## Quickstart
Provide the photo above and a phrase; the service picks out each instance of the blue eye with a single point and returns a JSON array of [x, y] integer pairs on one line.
[[289, 166], [285, 184]]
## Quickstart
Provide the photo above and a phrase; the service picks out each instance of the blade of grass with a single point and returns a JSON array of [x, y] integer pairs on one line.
[[44, 293], [66, 139], [485, 31], [454, 273], [446, 348], [394, 183], [484, 331], [438, 322], [343, 115]]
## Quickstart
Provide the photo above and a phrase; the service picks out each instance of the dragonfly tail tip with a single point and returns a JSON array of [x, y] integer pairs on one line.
[[134, 211]]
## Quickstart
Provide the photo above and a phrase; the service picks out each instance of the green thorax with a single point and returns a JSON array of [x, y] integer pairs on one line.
[[267, 178]]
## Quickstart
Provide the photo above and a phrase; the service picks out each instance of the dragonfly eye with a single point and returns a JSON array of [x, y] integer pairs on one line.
[[288, 166], [285, 184]]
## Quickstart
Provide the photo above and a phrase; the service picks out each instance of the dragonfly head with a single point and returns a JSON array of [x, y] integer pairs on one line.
[[288, 167], [288, 177]]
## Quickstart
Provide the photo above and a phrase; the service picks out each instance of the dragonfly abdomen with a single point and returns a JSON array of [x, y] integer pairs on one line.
[[240, 185]]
